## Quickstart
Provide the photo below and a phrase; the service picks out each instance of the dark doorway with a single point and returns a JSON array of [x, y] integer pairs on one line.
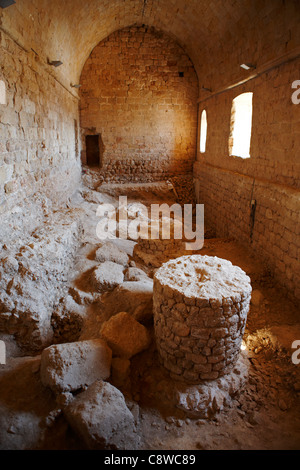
[[92, 150]]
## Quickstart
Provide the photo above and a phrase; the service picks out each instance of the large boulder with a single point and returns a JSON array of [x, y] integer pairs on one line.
[[125, 336], [70, 366], [101, 418]]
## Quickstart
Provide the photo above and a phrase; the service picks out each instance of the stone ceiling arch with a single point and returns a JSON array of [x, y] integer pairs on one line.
[[210, 31]]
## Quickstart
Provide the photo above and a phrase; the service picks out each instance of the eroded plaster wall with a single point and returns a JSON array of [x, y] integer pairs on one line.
[[269, 178], [139, 93], [38, 141]]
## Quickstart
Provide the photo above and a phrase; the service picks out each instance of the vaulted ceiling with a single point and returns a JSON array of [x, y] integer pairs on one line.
[[217, 34]]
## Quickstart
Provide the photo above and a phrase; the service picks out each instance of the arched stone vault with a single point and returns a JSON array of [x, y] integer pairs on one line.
[[213, 33]]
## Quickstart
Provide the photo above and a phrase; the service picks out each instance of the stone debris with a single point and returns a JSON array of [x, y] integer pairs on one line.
[[142, 105], [67, 320], [134, 297], [107, 276], [206, 399], [102, 420], [110, 252], [125, 336], [135, 274], [32, 277], [68, 367]]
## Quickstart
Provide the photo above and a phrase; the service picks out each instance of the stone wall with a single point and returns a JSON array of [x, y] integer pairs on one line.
[[227, 185], [37, 131], [132, 94]]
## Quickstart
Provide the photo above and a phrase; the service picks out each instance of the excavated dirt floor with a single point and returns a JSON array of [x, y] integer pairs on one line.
[[265, 414]]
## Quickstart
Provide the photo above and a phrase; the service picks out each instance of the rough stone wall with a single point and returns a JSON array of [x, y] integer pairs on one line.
[[132, 95], [227, 185], [37, 131]]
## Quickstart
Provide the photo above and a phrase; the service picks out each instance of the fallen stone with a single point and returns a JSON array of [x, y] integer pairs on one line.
[[125, 336], [70, 366], [110, 252], [107, 276], [102, 420]]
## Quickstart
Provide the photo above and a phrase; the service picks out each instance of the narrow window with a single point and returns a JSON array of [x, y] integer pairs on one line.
[[92, 150], [2, 92], [240, 126], [203, 131]]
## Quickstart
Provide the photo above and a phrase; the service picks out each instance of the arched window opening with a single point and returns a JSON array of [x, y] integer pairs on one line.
[[203, 131], [2, 92], [241, 125]]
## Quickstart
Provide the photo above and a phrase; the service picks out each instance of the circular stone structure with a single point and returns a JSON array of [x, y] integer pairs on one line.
[[200, 306]]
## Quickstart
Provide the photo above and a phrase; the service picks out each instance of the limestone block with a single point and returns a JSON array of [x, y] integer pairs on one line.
[[67, 367], [107, 276], [102, 420], [125, 336], [110, 252]]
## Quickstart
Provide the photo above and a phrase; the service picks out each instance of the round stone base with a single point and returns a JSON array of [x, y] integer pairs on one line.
[[205, 400]]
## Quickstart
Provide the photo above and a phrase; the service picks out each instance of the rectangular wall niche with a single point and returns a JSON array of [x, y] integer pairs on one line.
[[92, 150]]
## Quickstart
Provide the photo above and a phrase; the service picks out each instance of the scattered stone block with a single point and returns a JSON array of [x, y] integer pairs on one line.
[[110, 252], [70, 366], [125, 336], [107, 276], [102, 420]]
